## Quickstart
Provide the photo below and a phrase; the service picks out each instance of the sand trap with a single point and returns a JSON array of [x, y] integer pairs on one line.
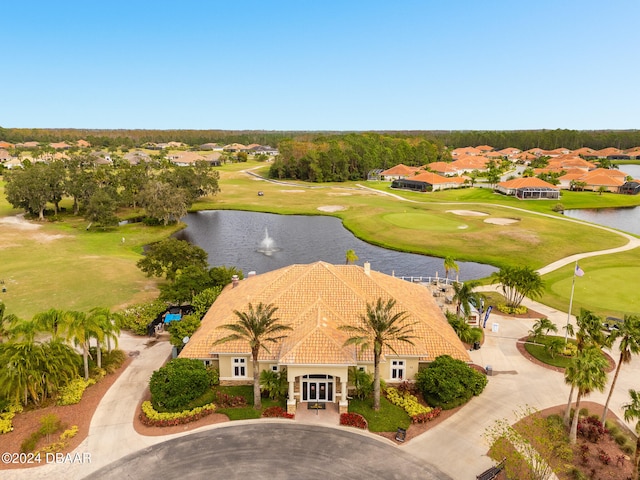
[[501, 221], [468, 213], [462, 227], [331, 208], [340, 194]]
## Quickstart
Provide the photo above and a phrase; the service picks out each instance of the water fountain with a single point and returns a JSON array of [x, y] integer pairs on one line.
[[267, 245]]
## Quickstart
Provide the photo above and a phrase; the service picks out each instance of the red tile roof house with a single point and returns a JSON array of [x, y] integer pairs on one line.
[[60, 146], [398, 171], [611, 179], [443, 168], [428, 182], [470, 163], [458, 152], [4, 144], [315, 300], [509, 152], [485, 148], [529, 188]]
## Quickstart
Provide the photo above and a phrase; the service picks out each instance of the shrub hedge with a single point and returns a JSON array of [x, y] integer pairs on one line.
[[71, 393], [179, 382], [153, 418]]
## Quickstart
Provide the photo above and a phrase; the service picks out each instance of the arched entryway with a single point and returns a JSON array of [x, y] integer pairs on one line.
[[317, 388]]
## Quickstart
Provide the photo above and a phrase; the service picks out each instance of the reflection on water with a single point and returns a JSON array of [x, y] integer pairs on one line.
[[622, 218], [236, 238]]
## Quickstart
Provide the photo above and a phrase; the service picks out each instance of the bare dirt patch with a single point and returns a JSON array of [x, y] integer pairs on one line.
[[468, 213], [15, 230], [331, 208], [501, 221], [522, 236], [292, 191]]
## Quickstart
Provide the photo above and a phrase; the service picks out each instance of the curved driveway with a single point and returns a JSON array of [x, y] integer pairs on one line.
[[271, 451]]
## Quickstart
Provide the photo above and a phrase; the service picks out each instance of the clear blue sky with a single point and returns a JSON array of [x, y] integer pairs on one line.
[[321, 65]]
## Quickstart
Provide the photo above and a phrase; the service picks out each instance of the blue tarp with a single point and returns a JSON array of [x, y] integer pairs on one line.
[[170, 317]]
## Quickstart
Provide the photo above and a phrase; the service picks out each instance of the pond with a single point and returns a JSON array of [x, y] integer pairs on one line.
[[262, 242], [622, 218]]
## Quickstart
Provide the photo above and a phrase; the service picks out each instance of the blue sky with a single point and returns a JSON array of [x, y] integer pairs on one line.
[[323, 65]]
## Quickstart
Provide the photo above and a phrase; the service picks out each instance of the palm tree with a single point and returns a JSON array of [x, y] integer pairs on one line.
[[588, 374], [108, 324], [589, 334], [351, 256], [629, 335], [465, 333], [632, 412], [517, 283], [450, 264], [257, 327], [52, 321], [82, 329], [378, 329], [543, 326], [464, 296]]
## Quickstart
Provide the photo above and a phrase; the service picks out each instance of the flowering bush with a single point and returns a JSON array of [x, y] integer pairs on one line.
[[353, 420], [409, 403], [71, 393], [591, 428], [570, 349], [520, 310], [224, 400], [152, 418], [6, 417], [276, 412], [426, 417]]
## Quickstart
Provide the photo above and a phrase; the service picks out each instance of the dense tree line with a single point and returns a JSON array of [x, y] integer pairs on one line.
[[164, 190], [351, 157], [522, 139]]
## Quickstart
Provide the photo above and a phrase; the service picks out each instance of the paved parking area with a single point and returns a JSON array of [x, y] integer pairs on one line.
[[271, 451]]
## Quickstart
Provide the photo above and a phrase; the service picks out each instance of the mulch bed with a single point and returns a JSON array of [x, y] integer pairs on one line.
[[80, 414]]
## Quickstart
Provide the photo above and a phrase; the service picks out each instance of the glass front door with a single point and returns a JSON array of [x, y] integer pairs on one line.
[[316, 390]]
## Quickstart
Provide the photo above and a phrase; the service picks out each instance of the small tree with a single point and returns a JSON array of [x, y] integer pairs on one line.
[[542, 327], [351, 257], [450, 264], [362, 382], [179, 382]]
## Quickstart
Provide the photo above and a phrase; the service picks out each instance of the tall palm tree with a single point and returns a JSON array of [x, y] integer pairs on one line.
[[632, 412], [450, 264], [629, 335], [464, 296], [589, 333], [517, 283], [52, 321], [588, 374], [108, 322], [379, 328], [82, 328], [257, 327]]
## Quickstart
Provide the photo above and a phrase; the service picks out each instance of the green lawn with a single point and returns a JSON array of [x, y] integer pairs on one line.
[[79, 269], [387, 419], [248, 412], [608, 287], [538, 351]]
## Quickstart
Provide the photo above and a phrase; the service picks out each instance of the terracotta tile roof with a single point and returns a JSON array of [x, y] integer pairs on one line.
[[442, 167], [314, 300], [435, 179], [583, 150], [465, 151], [400, 169], [509, 151], [4, 144], [485, 148], [527, 182]]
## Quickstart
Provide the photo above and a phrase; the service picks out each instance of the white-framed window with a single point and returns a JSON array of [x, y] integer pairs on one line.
[[362, 369], [207, 363], [239, 367], [397, 369], [275, 368]]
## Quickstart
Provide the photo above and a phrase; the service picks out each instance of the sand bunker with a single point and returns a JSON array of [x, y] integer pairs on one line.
[[468, 213], [501, 221], [331, 208]]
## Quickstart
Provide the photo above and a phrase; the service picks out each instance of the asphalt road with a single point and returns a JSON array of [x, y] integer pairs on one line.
[[272, 451]]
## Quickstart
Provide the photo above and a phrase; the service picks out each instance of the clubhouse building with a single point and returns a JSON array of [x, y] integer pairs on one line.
[[315, 300]]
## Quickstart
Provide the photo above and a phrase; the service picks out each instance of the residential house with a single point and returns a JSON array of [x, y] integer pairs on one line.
[[211, 146], [83, 144], [593, 180], [234, 148], [428, 182], [6, 145], [134, 157], [529, 188], [398, 171], [264, 150], [315, 300], [184, 159], [458, 152], [443, 168], [60, 145]]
